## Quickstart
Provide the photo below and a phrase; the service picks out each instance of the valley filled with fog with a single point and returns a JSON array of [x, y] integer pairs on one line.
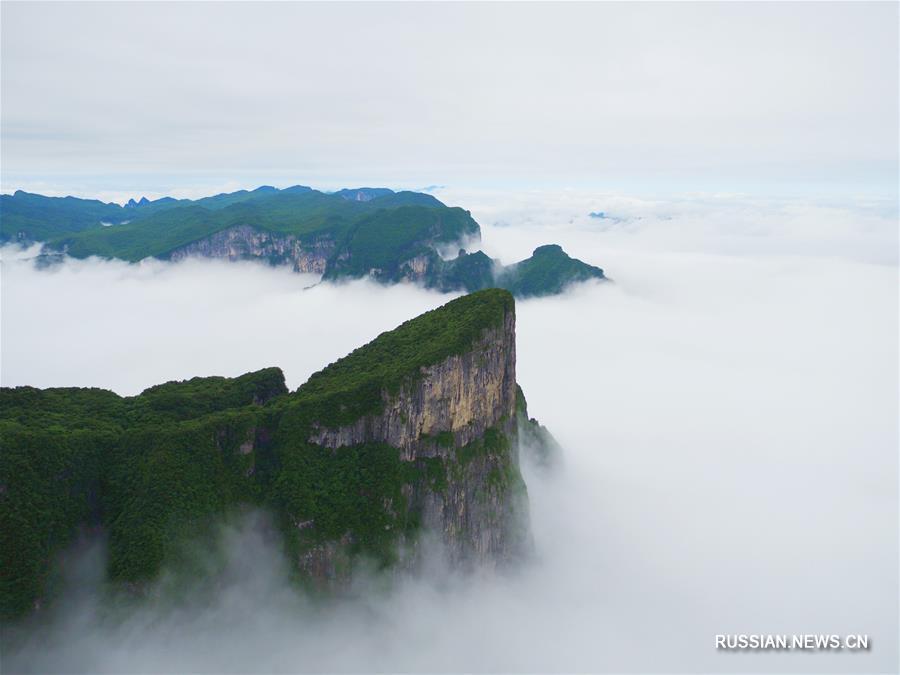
[[727, 409]]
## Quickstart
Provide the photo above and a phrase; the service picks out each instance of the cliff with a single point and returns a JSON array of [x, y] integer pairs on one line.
[[463, 395], [243, 242], [433, 404], [451, 416], [412, 437]]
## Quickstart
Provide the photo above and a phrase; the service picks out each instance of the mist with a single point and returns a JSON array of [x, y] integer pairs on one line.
[[727, 409]]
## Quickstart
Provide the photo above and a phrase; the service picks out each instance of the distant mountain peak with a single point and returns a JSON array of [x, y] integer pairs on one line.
[[134, 204], [548, 249]]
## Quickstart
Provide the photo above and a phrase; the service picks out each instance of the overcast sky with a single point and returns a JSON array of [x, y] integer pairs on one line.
[[112, 100]]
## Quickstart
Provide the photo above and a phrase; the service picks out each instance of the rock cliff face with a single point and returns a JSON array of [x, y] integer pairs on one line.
[[480, 514], [248, 243], [456, 426], [463, 396]]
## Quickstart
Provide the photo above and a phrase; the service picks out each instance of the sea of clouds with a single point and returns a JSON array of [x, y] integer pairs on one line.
[[728, 411]]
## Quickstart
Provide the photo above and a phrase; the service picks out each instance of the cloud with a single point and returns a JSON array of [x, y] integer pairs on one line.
[[199, 318], [596, 93], [738, 225], [728, 412]]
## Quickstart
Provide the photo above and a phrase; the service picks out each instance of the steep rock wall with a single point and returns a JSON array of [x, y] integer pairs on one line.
[[479, 511], [463, 396], [244, 242], [457, 424]]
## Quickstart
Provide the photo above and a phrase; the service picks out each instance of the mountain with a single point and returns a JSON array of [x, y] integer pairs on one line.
[[144, 227], [353, 233], [399, 244], [548, 271], [414, 432], [29, 217]]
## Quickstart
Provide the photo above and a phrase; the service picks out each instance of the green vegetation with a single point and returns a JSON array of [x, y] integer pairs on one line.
[[162, 467], [49, 484], [382, 243], [547, 272], [54, 443], [494, 442], [302, 214], [350, 387], [176, 401], [29, 217], [155, 229], [469, 271], [84, 456], [368, 232], [168, 481], [353, 491], [133, 241], [435, 472]]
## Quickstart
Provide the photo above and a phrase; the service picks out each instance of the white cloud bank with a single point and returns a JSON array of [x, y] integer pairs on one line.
[[729, 421]]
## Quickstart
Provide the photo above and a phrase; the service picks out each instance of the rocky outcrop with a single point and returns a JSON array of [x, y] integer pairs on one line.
[[478, 514], [244, 242], [451, 405], [417, 269], [457, 425]]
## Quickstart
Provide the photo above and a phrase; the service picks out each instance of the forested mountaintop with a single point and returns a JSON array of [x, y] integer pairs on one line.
[[415, 431], [352, 233]]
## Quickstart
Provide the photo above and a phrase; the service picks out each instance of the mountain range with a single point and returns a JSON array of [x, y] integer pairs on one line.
[[352, 233]]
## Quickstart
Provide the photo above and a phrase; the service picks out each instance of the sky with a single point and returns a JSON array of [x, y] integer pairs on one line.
[[727, 410], [119, 100]]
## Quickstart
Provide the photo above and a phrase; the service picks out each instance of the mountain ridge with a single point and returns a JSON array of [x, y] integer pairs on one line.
[[353, 233], [415, 431]]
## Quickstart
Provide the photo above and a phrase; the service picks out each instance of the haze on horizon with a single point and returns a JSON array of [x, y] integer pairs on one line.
[[119, 100]]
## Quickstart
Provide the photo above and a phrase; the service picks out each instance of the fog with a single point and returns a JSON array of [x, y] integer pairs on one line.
[[728, 410]]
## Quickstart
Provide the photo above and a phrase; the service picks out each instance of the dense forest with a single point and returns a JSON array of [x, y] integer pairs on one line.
[[158, 468]]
